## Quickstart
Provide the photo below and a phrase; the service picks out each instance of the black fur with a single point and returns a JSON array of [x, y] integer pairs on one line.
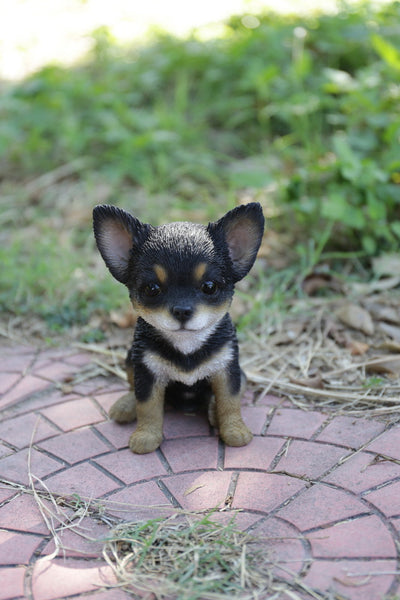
[[148, 338]]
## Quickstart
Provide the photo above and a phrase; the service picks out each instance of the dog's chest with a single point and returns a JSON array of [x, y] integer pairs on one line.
[[185, 372]]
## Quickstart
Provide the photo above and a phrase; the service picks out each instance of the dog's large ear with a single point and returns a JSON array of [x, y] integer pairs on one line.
[[117, 232], [242, 229]]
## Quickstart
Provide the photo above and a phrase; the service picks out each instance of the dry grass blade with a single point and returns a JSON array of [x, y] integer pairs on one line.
[[117, 371], [333, 394], [319, 368], [60, 512], [97, 349]]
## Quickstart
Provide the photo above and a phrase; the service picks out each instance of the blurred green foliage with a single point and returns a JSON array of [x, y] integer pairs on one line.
[[319, 94], [306, 108]]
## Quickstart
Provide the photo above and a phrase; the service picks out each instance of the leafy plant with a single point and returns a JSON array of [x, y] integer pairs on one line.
[[301, 112]]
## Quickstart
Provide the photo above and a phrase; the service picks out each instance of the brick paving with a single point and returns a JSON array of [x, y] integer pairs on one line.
[[325, 490]]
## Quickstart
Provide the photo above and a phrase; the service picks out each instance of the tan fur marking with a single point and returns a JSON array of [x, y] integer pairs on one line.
[[129, 374], [220, 310], [199, 271], [148, 313], [161, 273], [232, 429], [149, 431], [124, 409]]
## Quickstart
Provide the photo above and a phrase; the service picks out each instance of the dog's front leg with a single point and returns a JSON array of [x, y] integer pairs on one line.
[[149, 412], [149, 431], [232, 429]]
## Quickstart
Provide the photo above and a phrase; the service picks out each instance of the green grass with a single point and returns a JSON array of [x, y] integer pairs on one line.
[[192, 559], [43, 279], [300, 113]]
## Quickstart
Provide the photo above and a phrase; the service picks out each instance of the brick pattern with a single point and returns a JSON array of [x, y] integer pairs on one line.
[[322, 491]]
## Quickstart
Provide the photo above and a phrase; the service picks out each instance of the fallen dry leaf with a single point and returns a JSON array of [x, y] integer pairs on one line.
[[290, 334], [386, 264], [317, 281], [356, 348], [392, 331], [387, 365], [363, 289], [314, 382], [356, 317], [382, 312], [389, 345], [335, 331]]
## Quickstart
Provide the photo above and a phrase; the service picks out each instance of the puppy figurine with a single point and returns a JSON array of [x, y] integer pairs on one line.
[[181, 278]]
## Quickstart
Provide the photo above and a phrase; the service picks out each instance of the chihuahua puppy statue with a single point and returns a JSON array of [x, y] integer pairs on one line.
[[181, 278]]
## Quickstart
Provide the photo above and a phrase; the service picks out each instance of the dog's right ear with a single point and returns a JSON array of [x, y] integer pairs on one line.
[[117, 233]]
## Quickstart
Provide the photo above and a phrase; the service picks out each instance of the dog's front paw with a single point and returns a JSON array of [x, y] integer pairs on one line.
[[236, 433], [142, 442], [124, 409]]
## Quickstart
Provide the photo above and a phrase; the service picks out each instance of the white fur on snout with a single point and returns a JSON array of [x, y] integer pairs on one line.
[[161, 321], [189, 340]]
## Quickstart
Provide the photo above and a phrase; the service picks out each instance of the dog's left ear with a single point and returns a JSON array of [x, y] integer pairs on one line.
[[242, 229]]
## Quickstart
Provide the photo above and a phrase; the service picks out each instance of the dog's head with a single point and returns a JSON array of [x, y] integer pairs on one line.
[[180, 276]]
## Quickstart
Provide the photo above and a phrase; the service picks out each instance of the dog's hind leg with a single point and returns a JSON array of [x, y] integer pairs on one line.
[[124, 409]]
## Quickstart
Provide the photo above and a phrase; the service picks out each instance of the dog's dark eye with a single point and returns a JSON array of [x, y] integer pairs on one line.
[[209, 287], [152, 290]]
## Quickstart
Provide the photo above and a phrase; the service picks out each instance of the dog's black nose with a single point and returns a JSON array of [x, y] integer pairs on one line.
[[182, 313]]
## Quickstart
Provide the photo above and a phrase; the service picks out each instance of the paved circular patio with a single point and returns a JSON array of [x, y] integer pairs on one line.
[[325, 490]]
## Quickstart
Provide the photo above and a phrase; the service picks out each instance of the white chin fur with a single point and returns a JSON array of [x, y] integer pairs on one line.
[[192, 336], [189, 340]]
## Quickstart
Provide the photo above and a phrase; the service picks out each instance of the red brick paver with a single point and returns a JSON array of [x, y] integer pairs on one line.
[[52, 580], [12, 582], [358, 580], [363, 537], [75, 446], [320, 491], [321, 505]]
